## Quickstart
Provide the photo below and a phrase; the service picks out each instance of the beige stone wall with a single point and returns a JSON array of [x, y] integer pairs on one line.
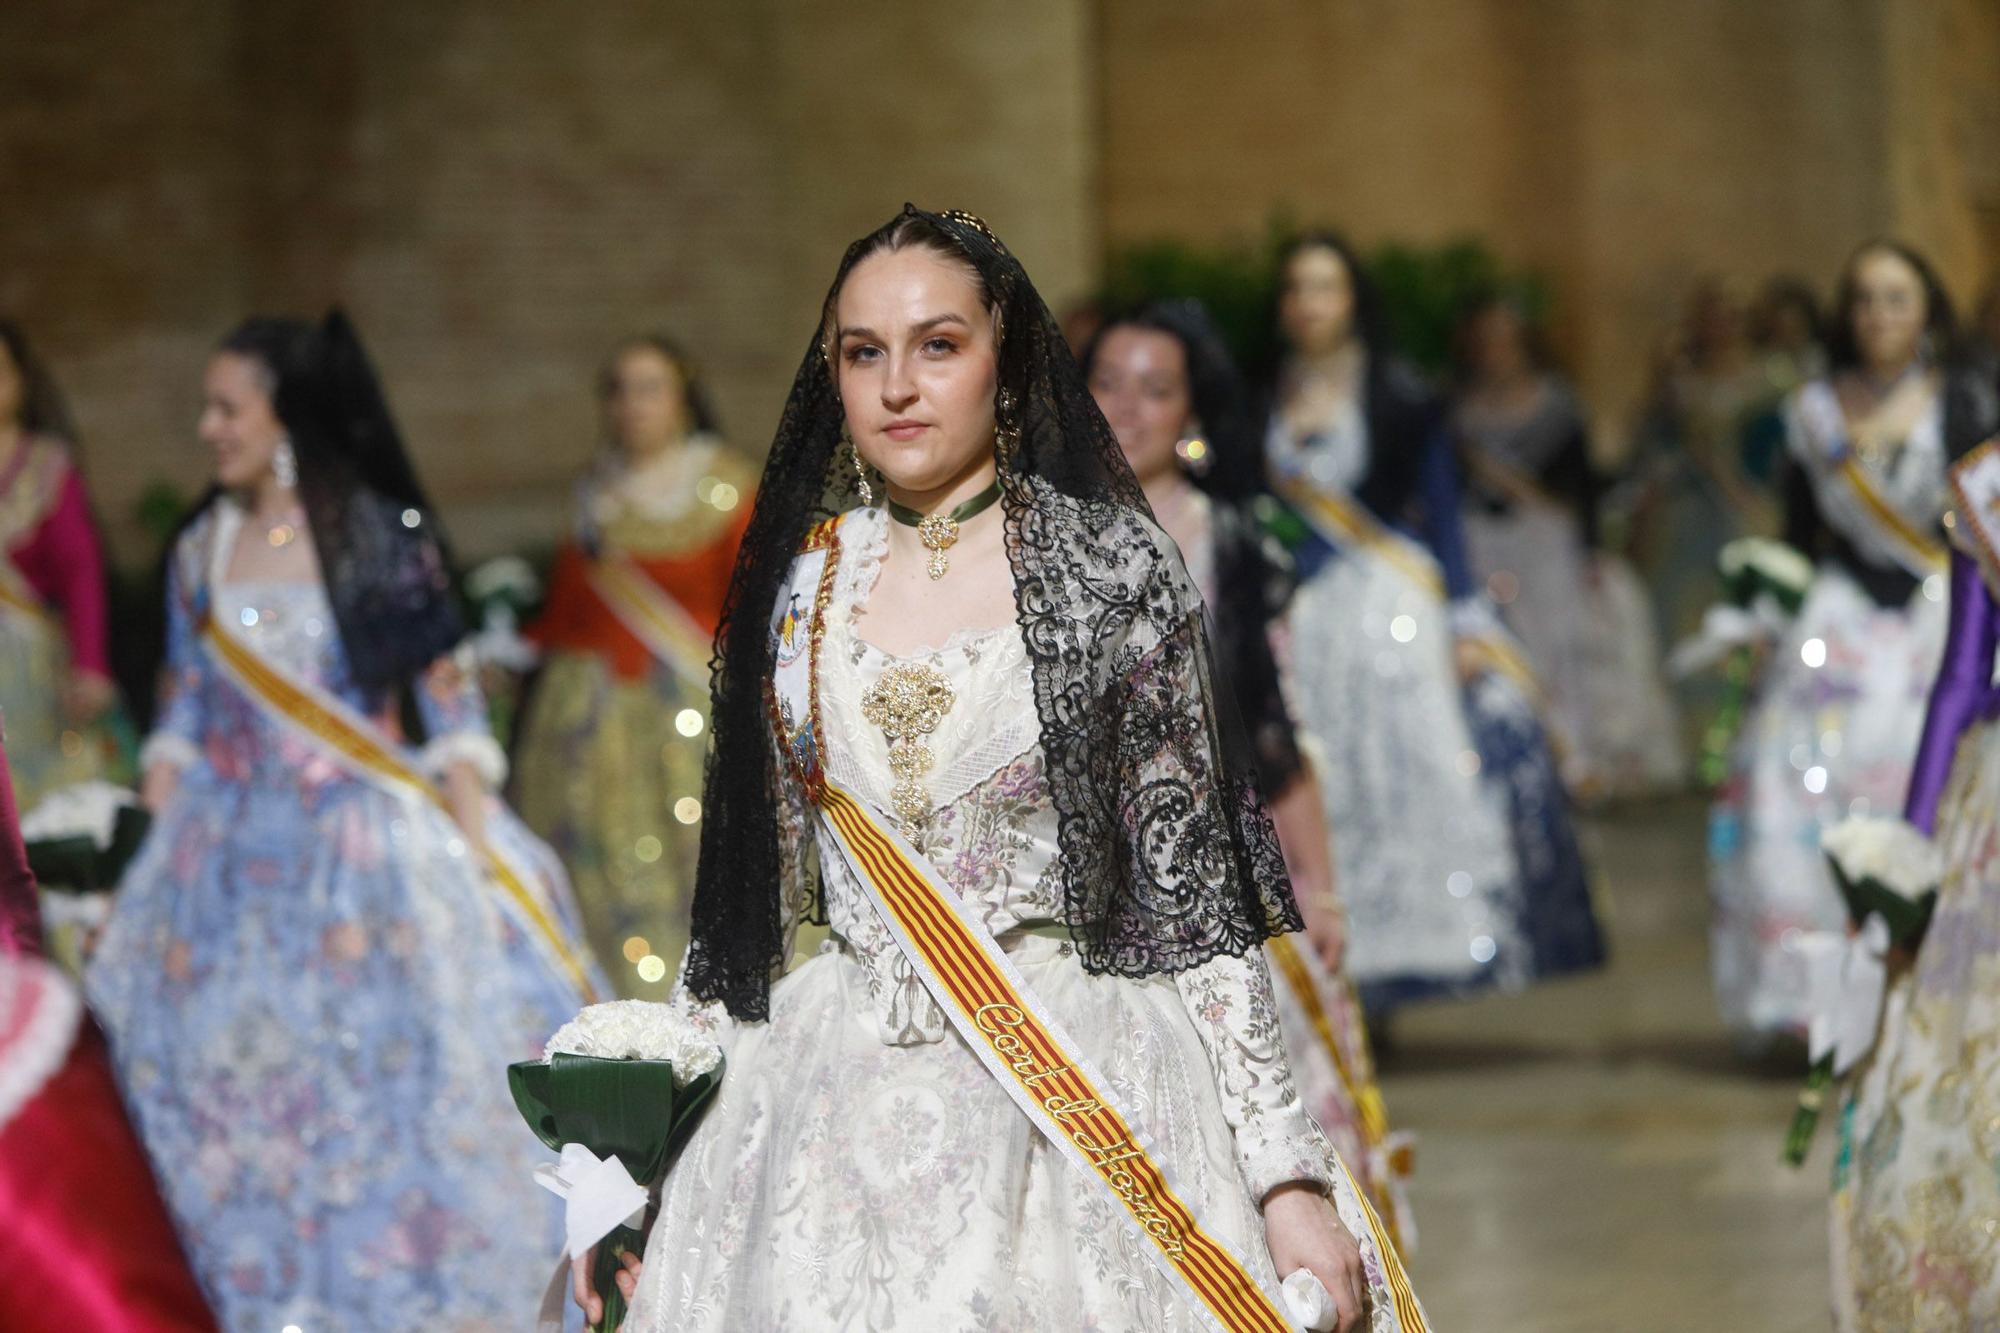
[[499, 190], [1620, 148]]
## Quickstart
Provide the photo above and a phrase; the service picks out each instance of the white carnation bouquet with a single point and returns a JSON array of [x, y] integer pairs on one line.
[[618, 1089], [1762, 564], [506, 590], [1888, 874], [641, 1030]]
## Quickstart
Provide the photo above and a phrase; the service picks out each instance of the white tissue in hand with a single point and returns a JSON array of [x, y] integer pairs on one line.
[[1308, 1301]]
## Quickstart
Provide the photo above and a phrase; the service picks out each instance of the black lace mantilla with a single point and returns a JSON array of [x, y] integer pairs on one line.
[[1168, 858]]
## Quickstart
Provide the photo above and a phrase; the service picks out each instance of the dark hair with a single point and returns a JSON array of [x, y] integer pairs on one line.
[[1401, 410], [1534, 337], [1371, 320], [44, 410], [694, 390], [383, 552], [1215, 391], [1940, 323]]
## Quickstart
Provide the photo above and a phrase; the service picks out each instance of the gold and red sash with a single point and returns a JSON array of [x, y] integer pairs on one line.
[[1039, 1066], [653, 617], [1344, 521], [358, 746]]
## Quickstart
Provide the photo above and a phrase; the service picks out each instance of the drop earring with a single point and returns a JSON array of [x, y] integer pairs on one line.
[[285, 465], [861, 485]]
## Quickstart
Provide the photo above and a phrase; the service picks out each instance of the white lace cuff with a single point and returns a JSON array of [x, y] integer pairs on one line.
[[1284, 1149], [164, 747], [466, 747]]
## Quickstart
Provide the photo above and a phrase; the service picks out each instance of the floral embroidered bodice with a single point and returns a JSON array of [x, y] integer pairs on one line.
[[991, 833]]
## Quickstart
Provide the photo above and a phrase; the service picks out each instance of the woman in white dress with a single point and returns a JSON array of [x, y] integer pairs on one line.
[[1002, 648], [1841, 701]]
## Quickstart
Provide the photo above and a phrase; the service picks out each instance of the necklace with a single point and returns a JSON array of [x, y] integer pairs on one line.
[[939, 532], [907, 703]]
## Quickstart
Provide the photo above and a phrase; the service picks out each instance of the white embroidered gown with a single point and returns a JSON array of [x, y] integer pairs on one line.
[[861, 1170]]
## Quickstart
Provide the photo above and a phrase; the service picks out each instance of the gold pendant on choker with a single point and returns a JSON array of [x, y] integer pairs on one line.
[[908, 702], [938, 533]]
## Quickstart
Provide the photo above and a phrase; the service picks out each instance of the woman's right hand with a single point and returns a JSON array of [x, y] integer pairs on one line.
[[162, 780], [585, 1290]]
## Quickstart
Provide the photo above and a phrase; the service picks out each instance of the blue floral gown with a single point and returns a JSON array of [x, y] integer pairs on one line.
[[313, 995]]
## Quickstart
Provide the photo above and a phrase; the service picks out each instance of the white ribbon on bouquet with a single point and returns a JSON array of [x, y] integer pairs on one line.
[[599, 1195], [1847, 977]]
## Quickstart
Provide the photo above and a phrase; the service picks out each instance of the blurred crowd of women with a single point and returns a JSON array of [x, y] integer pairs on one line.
[[1444, 609]]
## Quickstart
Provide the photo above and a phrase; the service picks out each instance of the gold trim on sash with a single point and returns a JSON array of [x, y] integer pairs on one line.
[[642, 606], [1033, 1060], [1922, 553], [365, 753], [1344, 521]]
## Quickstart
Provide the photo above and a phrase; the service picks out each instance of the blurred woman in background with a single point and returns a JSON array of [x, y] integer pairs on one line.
[[1404, 675], [332, 943], [608, 763], [55, 666], [1166, 386], [1842, 695], [1532, 528]]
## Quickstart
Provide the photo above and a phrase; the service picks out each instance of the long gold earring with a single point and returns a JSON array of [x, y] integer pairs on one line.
[[860, 468]]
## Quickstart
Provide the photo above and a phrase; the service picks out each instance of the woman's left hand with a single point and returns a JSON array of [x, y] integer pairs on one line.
[[1304, 1231]]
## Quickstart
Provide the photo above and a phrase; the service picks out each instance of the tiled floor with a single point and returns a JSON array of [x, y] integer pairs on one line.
[[1593, 1156]]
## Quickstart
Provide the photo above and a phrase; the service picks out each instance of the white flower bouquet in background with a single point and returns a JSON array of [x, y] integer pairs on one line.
[[1888, 874], [79, 841], [620, 1088], [1764, 583], [80, 838]]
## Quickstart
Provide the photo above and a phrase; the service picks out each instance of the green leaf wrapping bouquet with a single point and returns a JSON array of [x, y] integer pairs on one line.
[[81, 838], [620, 1089], [79, 841], [1888, 874]]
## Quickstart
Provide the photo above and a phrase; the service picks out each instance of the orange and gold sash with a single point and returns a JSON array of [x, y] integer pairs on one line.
[[1344, 521], [653, 617], [353, 742]]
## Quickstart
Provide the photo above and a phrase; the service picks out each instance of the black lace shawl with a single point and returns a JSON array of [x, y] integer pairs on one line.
[[1167, 856]]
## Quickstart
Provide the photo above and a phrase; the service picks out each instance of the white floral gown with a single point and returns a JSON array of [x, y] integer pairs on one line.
[[861, 1170]]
